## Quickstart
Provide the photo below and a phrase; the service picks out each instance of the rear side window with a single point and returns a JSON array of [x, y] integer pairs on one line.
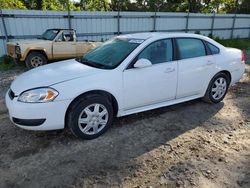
[[190, 48], [213, 49]]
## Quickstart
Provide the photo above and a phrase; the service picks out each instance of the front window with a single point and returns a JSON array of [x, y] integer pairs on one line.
[[49, 34], [158, 52], [111, 53], [66, 36]]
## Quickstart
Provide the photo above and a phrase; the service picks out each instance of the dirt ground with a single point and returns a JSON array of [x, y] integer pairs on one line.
[[193, 144]]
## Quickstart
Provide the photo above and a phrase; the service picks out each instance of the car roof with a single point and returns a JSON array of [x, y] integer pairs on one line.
[[147, 35]]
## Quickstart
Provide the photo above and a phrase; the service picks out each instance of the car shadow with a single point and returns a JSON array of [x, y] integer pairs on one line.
[[112, 156]]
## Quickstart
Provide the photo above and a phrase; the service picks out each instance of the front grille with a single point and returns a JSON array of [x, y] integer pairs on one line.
[[10, 49], [11, 94]]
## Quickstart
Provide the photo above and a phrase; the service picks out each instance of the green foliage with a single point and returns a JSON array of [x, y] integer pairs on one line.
[[12, 4], [97, 5], [6, 63], [243, 44], [58, 5], [203, 6]]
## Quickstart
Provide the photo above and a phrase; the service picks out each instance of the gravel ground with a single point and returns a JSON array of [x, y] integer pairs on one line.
[[192, 144]]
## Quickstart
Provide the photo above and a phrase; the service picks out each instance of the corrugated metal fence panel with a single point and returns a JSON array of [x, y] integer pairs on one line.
[[2, 47], [170, 21], [32, 22], [2, 41], [100, 26], [200, 22], [242, 22], [223, 21], [136, 22], [94, 25]]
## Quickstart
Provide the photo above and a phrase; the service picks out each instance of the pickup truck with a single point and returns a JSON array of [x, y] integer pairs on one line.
[[53, 44]]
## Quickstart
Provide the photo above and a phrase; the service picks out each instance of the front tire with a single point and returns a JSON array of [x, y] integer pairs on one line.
[[35, 59], [217, 88], [90, 116]]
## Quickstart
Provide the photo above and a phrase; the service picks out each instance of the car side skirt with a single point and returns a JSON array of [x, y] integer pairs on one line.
[[157, 105]]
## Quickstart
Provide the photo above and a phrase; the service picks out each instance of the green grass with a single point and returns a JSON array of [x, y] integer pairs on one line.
[[6, 63], [243, 44]]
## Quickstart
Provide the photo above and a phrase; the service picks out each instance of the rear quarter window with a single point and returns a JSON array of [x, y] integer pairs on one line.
[[213, 49]]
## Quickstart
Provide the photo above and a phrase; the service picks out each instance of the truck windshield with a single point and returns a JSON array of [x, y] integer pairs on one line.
[[111, 53], [49, 34]]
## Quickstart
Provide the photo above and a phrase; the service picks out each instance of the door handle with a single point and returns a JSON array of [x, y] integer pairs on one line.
[[168, 70]]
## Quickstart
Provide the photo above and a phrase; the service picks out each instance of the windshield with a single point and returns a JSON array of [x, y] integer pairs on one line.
[[111, 53], [49, 34]]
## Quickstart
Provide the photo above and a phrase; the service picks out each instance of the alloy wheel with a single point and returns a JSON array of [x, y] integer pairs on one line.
[[93, 119], [219, 88]]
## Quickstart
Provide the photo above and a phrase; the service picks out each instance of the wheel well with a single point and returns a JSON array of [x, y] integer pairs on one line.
[[228, 75], [96, 92], [40, 51]]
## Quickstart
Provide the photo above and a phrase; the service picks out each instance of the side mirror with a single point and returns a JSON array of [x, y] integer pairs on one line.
[[58, 40], [142, 63]]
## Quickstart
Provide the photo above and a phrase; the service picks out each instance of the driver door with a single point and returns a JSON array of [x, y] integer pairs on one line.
[[65, 45], [153, 84]]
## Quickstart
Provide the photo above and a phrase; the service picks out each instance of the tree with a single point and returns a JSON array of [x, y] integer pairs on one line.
[[244, 7], [93, 5], [121, 5], [12, 4]]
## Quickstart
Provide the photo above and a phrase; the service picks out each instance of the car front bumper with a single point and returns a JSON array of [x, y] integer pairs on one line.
[[37, 116]]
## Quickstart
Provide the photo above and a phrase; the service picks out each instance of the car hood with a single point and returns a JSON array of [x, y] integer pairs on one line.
[[27, 42], [48, 75]]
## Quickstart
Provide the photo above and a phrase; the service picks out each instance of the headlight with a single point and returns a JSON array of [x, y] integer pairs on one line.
[[38, 95], [18, 50]]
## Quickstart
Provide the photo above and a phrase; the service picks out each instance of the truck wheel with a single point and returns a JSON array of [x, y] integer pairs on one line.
[[35, 59]]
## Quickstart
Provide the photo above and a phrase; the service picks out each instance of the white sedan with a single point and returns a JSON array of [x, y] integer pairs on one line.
[[127, 74]]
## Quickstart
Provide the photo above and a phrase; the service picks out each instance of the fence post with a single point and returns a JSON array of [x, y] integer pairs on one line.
[[69, 16], [154, 22], [5, 31], [232, 29], [186, 29], [212, 25], [118, 22]]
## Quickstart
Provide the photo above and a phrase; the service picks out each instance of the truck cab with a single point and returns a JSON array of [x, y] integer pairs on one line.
[[52, 45]]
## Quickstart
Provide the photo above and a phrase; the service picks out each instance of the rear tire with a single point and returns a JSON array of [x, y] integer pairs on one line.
[[217, 88], [35, 59], [90, 116]]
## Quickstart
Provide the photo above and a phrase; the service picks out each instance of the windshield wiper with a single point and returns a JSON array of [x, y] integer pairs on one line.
[[91, 63]]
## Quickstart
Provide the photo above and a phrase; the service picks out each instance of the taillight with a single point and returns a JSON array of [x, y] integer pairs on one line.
[[242, 57]]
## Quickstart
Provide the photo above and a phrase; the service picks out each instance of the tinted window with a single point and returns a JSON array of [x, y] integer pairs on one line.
[[213, 48], [158, 52], [189, 48]]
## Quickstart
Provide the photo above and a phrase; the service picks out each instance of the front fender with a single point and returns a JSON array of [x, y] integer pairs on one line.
[[28, 50]]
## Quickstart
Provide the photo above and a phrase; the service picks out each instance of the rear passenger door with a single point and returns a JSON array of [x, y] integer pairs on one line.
[[195, 67]]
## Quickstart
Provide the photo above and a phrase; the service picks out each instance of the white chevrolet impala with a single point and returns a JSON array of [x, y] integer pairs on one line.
[[127, 74]]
